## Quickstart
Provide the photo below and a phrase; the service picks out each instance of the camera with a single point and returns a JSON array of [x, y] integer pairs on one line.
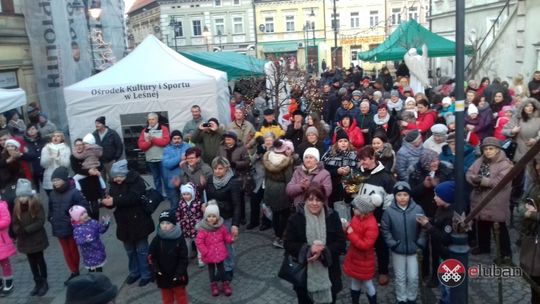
[[206, 125]]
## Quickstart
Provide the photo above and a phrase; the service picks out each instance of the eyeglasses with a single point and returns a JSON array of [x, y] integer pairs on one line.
[[191, 157]]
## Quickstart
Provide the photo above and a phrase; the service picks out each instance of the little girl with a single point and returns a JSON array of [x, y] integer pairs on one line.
[[6, 250], [86, 233], [211, 239], [504, 117], [362, 232], [188, 214], [28, 225], [168, 257], [404, 237]]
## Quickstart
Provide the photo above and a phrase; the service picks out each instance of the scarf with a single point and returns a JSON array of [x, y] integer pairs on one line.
[[381, 121], [223, 181], [207, 227], [318, 281], [170, 235], [339, 158]]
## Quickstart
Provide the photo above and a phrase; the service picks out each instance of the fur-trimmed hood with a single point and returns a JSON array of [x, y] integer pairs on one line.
[[525, 102], [276, 162]]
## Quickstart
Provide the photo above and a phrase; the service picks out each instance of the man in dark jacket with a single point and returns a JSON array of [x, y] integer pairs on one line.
[[112, 145], [534, 86], [295, 131]]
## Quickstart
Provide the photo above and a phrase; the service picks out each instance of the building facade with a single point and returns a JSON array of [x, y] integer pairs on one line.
[[143, 20]]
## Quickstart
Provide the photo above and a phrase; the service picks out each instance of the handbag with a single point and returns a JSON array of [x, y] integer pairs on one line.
[[151, 199], [293, 272]]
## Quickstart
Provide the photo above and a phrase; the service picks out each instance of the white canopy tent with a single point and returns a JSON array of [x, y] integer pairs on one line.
[[152, 78], [11, 99]]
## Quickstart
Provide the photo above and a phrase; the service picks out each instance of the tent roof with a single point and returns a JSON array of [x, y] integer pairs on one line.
[[149, 63], [234, 64], [11, 99], [411, 35]]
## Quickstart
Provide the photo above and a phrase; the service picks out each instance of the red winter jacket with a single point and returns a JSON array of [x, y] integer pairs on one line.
[[211, 244], [360, 259], [425, 121], [162, 141], [355, 135]]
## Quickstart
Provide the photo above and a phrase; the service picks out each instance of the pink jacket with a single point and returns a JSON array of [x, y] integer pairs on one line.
[[7, 248], [211, 244], [320, 176]]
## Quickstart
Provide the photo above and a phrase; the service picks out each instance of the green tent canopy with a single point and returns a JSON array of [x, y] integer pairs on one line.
[[411, 35], [234, 64]]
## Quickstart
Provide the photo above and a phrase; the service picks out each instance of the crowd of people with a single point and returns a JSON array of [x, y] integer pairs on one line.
[[370, 176]]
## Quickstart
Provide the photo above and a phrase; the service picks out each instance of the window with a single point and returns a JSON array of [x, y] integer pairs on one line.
[[178, 29], [413, 13], [219, 25], [373, 18], [6, 6], [335, 23], [355, 20], [236, 2], [396, 16], [238, 25], [269, 24], [197, 28], [289, 23], [217, 2]]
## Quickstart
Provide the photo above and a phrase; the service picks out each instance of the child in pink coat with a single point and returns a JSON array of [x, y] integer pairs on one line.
[[211, 239], [7, 249], [504, 117]]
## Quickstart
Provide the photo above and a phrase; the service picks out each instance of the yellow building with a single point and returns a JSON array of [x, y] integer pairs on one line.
[[289, 30]]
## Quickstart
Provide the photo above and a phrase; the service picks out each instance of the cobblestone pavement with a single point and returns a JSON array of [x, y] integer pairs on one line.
[[255, 279]]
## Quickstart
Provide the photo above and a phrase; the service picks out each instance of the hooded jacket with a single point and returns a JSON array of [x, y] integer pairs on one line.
[[318, 175], [406, 158], [278, 172], [112, 145], [360, 259], [60, 200], [400, 229], [529, 129], [209, 143], [172, 155], [356, 137]]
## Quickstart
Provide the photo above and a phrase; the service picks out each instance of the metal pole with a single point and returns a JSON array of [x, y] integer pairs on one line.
[[334, 53]]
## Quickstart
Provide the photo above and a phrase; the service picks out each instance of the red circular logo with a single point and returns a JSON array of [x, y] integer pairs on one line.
[[451, 273]]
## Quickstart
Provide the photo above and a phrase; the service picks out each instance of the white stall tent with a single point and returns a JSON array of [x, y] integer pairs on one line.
[[11, 99], [152, 78]]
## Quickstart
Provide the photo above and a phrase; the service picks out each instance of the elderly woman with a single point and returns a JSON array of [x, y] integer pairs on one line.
[[225, 188], [133, 223], [55, 154], [314, 236], [484, 174], [311, 140], [339, 160], [365, 118]]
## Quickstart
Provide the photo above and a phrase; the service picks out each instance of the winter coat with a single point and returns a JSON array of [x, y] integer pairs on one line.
[[191, 126], [449, 159], [529, 129], [484, 128], [245, 132], [228, 199], [52, 157], [278, 172], [209, 143], [87, 237], [9, 172], [534, 89], [295, 243], [356, 137], [387, 157], [211, 244], [390, 128], [7, 248], [353, 113], [529, 257], [376, 181], [194, 175], [172, 155], [133, 223], [46, 130], [33, 152], [240, 163], [333, 160], [153, 150], [319, 145], [90, 185], [273, 127], [295, 136], [30, 231], [319, 175], [441, 230], [425, 121], [360, 259], [498, 209], [406, 158], [170, 258], [60, 200], [364, 121], [112, 145], [188, 215], [400, 229], [425, 196]]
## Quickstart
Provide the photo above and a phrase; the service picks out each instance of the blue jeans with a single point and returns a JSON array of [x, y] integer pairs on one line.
[[157, 175], [173, 197], [137, 253], [229, 262]]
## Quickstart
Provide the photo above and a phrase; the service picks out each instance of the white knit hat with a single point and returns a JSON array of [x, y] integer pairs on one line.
[[211, 208], [313, 152], [89, 139], [472, 109], [188, 188]]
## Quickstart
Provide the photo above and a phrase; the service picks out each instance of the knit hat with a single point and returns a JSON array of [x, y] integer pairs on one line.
[[12, 142], [24, 188], [188, 188], [101, 120], [60, 173], [75, 212], [402, 186], [341, 134], [410, 99], [211, 208], [119, 168], [413, 136], [176, 133], [214, 120], [230, 134], [167, 216], [445, 191], [508, 108], [491, 141], [394, 93], [472, 109], [446, 101], [366, 203], [89, 139], [427, 157], [283, 145], [450, 119], [312, 130], [357, 93], [439, 129], [342, 91], [268, 112], [92, 288], [313, 152]]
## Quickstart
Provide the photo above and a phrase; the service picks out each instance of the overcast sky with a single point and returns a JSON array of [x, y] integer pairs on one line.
[[128, 4]]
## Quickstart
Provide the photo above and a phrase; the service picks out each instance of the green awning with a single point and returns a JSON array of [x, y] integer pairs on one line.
[[280, 47], [236, 65], [411, 35]]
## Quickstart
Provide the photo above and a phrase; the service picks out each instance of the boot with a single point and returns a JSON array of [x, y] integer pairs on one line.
[[227, 289], [372, 299], [43, 289], [214, 289], [8, 286], [355, 296], [36, 287]]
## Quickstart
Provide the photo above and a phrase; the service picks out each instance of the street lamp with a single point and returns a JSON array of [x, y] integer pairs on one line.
[[206, 35], [312, 22], [95, 9], [174, 25]]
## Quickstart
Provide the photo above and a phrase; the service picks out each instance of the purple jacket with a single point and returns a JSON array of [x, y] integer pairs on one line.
[[320, 176], [87, 237]]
